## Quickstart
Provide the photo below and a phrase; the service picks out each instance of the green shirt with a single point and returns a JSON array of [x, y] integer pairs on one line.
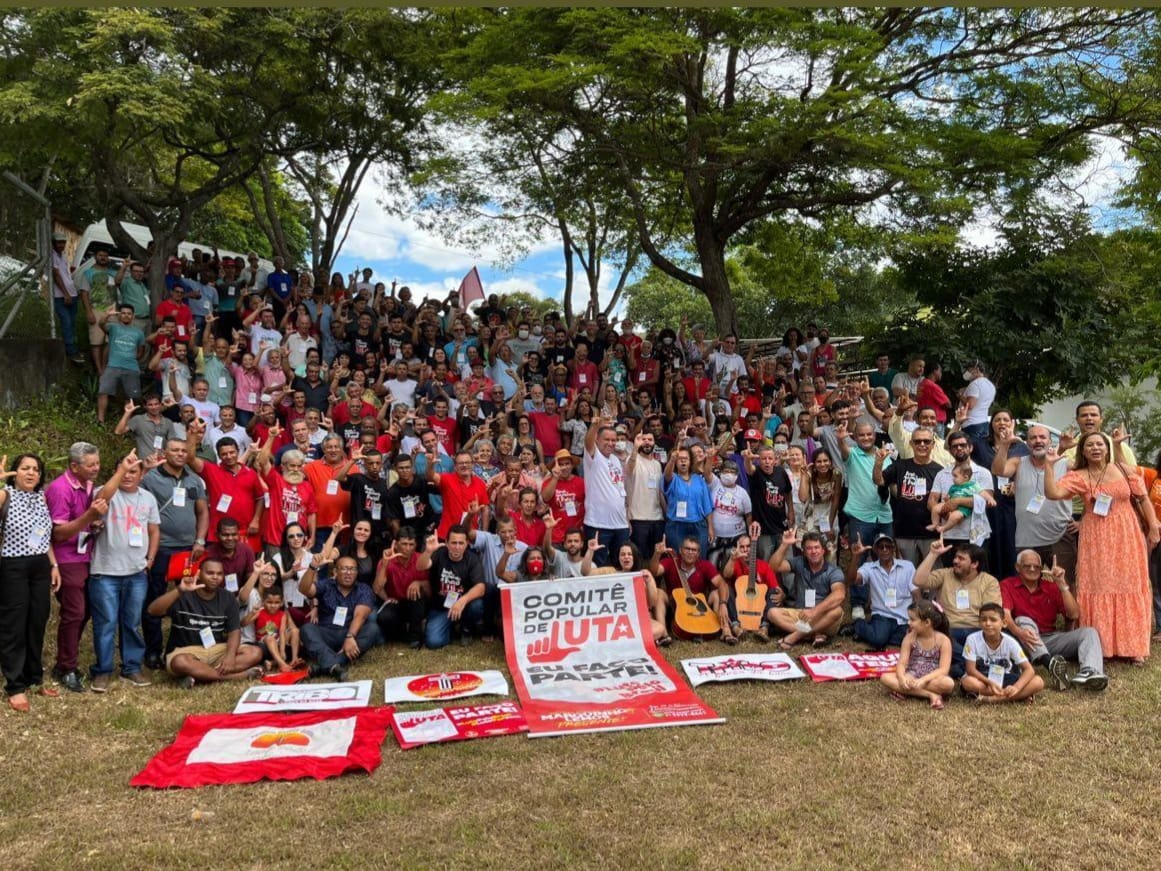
[[137, 295], [221, 381], [123, 344]]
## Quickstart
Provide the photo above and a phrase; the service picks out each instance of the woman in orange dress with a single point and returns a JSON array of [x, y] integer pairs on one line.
[[1112, 569]]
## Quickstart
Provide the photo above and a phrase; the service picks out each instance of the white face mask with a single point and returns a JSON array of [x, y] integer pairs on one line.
[[967, 375], [622, 446], [536, 331], [522, 334], [668, 340], [729, 479]]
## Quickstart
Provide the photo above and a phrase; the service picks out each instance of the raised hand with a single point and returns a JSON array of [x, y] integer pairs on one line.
[[595, 544], [130, 406], [939, 547]]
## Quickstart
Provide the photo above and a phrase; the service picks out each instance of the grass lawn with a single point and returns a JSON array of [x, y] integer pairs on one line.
[[801, 775]]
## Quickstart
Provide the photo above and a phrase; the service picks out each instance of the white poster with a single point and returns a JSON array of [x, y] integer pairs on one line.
[[745, 666], [446, 685], [256, 743], [304, 697]]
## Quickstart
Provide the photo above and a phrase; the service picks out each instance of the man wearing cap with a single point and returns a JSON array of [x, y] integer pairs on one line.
[[891, 590], [564, 493], [64, 297]]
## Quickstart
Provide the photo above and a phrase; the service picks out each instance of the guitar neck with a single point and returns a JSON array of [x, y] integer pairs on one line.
[[752, 567]]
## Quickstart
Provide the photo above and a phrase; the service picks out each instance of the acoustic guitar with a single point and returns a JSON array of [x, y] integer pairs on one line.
[[750, 595], [692, 616]]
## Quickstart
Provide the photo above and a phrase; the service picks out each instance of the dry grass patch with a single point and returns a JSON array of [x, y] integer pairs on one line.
[[802, 776]]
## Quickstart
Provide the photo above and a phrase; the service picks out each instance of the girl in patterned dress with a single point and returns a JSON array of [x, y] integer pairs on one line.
[[924, 659]]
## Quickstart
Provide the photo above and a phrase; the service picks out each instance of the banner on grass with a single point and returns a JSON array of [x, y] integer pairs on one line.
[[448, 685], [462, 723], [213, 749], [745, 666], [312, 697], [582, 658], [848, 666]]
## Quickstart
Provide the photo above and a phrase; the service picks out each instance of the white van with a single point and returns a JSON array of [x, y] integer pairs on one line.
[[96, 237]]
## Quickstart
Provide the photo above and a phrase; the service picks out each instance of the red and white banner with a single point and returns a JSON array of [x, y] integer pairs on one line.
[[243, 748], [848, 666], [745, 666], [447, 685], [462, 723], [309, 697], [582, 658]]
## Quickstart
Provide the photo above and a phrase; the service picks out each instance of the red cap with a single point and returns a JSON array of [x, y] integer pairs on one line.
[[752, 435]]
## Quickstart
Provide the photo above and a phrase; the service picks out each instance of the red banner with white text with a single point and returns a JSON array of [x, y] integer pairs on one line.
[[582, 658], [461, 723]]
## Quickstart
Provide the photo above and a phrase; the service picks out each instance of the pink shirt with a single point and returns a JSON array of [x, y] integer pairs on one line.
[[67, 500], [246, 385]]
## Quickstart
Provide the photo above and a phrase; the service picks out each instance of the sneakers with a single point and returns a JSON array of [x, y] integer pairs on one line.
[[153, 662], [1090, 679], [100, 683], [1058, 670], [186, 683], [70, 680], [339, 673], [137, 679]]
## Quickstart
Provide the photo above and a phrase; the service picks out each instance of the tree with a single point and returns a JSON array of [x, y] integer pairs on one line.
[[740, 115]]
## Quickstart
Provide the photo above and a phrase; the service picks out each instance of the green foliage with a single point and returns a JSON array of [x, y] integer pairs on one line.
[[1137, 407]]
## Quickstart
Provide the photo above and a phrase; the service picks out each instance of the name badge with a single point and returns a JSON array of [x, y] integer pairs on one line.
[[409, 508], [224, 502], [376, 511], [179, 497], [570, 509], [82, 541], [38, 538], [651, 483], [206, 634], [181, 331], [232, 582], [1001, 482], [266, 499], [743, 412], [157, 443], [292, 517], [1102, 505], [136, 536], [963, 600], [892, 598], [996, 675], [811, 598], [340, 618], [451, 598], [921, 487], [824, 525], [222, 383], [641, 377], [332, 487], [1035, 504], [682, 509], [582, 379]]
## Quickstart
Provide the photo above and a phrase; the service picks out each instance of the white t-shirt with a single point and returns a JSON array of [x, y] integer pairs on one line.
[[402, 391], [725, 366], [290, 594], [943, 483], [210, 412], [1008, 654], [258, 335], [604, 491], [984, 393], [731, 505]]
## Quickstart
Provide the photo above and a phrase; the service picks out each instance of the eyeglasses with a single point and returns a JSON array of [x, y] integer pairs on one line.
[[922, 441], [1029, 566]]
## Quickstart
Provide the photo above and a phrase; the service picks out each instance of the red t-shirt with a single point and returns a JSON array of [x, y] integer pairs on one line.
[[547, 429], [1042, 605], [181, 315], [289, 503], [765, 573], [700, 581], [568, 506], [931, 395], [696, 389], [584, 374], [342, 413], [645, 371], [400, 576], [447, 431], [457, 496], [267, 624], [243, 489], [332, 500], [531, 533]]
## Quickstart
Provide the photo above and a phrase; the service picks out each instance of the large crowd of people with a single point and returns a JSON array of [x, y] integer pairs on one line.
[[313, 467]]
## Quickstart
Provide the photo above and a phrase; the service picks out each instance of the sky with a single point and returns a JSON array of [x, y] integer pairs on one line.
[[399, 248]]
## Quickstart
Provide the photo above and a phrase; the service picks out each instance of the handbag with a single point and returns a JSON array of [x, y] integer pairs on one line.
[[1138, 504]]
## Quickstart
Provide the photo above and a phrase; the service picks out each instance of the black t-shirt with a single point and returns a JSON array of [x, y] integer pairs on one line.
[[317, 395], [557, 356], [411, 506], [912, 485], [393, 342], [446, 576], [769, 495], [368, 501], [361, 344], [190, 613]]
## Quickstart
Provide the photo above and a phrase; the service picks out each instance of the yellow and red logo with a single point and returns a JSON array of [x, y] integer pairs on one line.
[[442, 686], [280, 739]]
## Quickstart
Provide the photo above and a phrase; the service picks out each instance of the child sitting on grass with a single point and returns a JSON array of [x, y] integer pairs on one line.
[[924, 657], [276, 631], [997, 668]]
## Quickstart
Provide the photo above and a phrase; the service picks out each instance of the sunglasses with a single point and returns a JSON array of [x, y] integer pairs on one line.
[[922, 441], [295, 535]]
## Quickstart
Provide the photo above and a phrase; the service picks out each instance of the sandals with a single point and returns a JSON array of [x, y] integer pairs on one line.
[[819, 641], [783, 644], [19, 702], [937, 703], [899, 697], [763, 633], [730, 639]]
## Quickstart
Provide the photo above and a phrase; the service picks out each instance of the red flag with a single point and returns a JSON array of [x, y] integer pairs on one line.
[[244, 748], [471, 289]]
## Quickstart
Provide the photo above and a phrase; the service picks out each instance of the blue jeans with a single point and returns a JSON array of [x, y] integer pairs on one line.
[[68, 323], [982, 452], [880, 631], [437, 633], [646, 533], [677, 531], [116, 601], [324, 644], [612, 539], [866, 531]]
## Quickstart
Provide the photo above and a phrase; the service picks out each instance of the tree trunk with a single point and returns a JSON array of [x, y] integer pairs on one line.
[[712, 257], [566, 240]]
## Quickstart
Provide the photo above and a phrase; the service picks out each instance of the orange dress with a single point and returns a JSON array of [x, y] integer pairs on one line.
[[1112, 567]]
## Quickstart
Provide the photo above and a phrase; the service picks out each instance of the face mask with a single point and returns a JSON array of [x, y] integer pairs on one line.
[[535, 566], [729, 479], [668, 340], [646, 449], [967, 375], [536, 331], [622, 446], [522, 334]]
